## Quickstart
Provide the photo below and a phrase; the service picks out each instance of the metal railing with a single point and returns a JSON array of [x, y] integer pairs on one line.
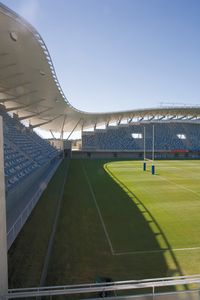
[[153, 289]]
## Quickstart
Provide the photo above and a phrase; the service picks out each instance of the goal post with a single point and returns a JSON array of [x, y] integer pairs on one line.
[[144, 162], [145, 159], [153, 151]]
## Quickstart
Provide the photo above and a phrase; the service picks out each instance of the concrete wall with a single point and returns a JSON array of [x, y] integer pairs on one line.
[[133, 155]]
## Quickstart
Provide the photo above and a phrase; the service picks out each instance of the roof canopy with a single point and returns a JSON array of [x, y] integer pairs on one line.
[[29, 85]]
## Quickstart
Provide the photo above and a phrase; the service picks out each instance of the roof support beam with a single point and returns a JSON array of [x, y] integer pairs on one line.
[[34, 115], [28, 117], [28, 105], [191, 118], [130, 120], [15, 108], [151, 118], [141, 119], [161, 118], [20, 96], [182, 117], [4, 90], [63, 124], [173, 117], [119, 121], [107, 123], [36, 102], [73, 129], [82, 127], [24, 106], [52, 134], [43, 123]]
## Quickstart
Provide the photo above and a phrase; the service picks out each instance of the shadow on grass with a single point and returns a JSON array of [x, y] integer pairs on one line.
[[148, 234]]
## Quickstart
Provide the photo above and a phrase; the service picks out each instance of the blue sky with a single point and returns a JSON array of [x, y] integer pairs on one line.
[[114, 55]]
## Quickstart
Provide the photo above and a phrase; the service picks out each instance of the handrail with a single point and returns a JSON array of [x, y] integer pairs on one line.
[[103, 287]]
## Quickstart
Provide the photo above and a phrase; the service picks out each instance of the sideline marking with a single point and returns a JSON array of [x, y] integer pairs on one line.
[[98, 210]]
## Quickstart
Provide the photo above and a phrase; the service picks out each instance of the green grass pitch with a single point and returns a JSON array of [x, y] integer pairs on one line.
[[120, 222]]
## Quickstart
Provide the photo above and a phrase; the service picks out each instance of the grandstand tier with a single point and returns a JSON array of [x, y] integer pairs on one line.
[[167, 136], [24, 151], [29, 162]]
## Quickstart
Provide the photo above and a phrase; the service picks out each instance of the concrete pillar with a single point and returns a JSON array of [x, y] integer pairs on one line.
[[3, 235]]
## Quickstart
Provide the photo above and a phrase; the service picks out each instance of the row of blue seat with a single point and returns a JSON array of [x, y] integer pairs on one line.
[[165, 137], [24, 150]]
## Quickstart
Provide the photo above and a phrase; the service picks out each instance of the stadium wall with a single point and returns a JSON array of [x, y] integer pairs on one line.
[[136, 155]]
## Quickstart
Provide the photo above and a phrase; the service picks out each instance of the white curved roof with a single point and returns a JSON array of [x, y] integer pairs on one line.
[[29, 86]]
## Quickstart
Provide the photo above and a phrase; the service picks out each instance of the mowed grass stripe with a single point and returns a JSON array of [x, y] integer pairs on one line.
[[176, 209], [80, 244], [99, 212], [81, 251]]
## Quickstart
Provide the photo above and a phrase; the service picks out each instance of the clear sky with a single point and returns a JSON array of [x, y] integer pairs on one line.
[[120, 54]]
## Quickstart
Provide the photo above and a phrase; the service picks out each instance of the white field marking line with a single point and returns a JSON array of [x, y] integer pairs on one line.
[[179, 185], [99, 212], [155, 251], [161, 250]]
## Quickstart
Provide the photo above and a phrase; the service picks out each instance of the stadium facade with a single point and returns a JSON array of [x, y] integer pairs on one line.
[[29, 89]]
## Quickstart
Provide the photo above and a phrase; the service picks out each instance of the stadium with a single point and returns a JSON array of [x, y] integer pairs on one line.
[[115, 214]]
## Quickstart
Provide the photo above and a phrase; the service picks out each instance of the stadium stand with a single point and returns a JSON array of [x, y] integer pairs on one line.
[[24, 150], [29, 164], [166, 137]]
